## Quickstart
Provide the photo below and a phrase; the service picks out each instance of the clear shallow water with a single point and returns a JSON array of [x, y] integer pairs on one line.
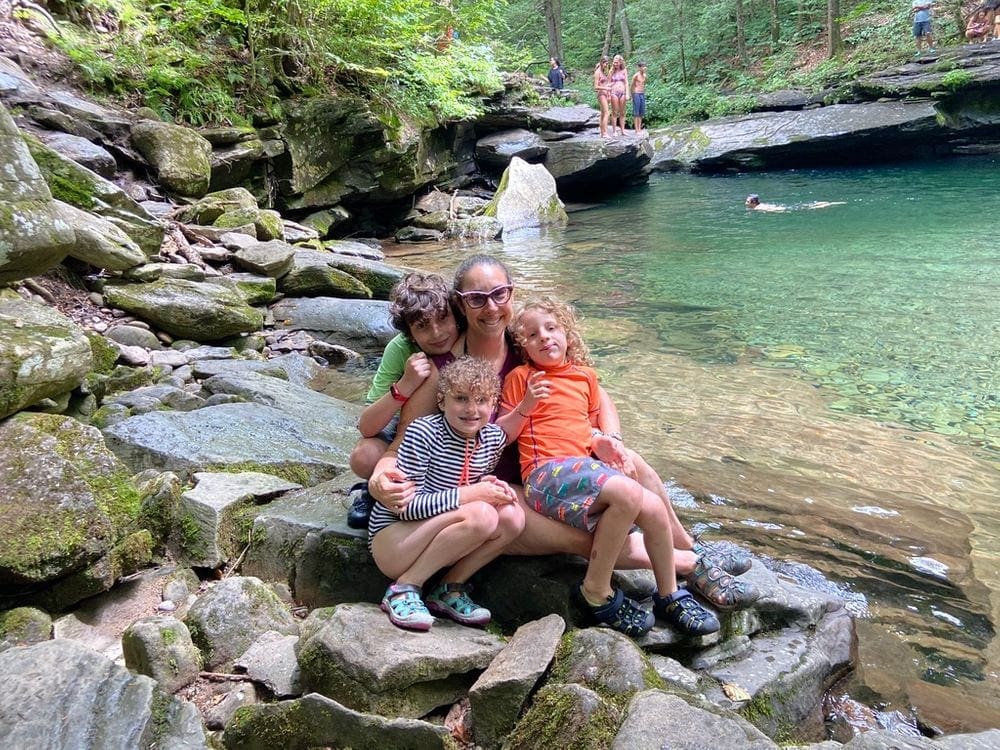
[[827, 380]]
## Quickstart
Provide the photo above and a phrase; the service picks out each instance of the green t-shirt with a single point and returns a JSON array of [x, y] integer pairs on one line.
[[391, 367]]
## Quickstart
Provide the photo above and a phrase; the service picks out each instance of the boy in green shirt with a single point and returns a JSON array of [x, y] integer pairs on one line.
[[421, 311]]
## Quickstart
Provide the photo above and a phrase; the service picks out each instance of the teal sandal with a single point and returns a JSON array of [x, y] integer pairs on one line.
[[405, 608], [452, 600]]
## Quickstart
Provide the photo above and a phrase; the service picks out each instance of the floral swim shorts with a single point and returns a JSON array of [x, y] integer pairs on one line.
[[566, 488]]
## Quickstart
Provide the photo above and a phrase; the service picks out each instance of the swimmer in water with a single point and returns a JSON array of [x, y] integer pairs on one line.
[[753, 202]]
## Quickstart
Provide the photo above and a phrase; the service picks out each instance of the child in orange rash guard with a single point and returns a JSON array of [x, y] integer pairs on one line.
[[574, 473]]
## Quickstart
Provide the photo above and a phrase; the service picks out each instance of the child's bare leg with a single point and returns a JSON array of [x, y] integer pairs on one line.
[[510, 523], [365, 455], [618, 504], [657, 536], [412, 551]]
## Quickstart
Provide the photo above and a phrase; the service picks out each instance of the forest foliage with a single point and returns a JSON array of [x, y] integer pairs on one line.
[[217, 61]]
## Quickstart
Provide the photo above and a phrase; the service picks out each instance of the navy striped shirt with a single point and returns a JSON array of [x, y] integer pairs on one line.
[[432, 454]]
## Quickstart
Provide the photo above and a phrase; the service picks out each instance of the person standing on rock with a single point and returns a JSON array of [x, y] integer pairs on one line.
[[602, 87], [557, 76], [619, 94], [921, 12], [639, 98], [460, 516]]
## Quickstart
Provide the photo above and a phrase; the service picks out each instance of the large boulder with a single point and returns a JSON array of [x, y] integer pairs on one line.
[[67, 511], [499, 695], [353, 654], [181, 157], [43, 354], [313, 274], [160, 647], [299, 434], [61, 694], [357, 324], [495, 151], [78, 186], [99, 242], [779, 139], [317, 721], [33, 235], [209, 513], [187, 309], [82, 151], [587, 163], [210, 207], [526, 197], [341, 153]]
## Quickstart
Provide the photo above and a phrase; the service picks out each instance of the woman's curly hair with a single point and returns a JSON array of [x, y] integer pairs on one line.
[[577, 351]]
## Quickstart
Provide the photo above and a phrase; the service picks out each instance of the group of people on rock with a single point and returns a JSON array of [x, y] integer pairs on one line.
[[486, 432], [614, 89]]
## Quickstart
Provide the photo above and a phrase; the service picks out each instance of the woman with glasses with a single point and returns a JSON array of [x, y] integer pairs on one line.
[[484, 291]]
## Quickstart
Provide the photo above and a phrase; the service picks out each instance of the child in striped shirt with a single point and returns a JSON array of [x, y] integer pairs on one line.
[[460, 515]]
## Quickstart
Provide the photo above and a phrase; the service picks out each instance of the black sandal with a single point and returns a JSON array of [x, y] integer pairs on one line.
[[618, 613]]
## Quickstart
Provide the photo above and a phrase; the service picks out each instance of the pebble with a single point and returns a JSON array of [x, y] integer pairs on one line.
[[166, 606]]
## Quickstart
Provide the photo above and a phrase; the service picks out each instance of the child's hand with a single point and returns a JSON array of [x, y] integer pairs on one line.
[[612, 452], [503, 485], [415, 372], [495, 492], [538, 389]]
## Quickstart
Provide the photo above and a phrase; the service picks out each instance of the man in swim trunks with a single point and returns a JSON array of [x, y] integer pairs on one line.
[[639, 97]]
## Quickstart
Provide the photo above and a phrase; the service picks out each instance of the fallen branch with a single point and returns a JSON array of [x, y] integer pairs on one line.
[[193, 236], [184, 249], [40, 290], [225, 677]]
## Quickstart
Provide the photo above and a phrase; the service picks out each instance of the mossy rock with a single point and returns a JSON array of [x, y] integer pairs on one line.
[[68, 500], [23, 626]]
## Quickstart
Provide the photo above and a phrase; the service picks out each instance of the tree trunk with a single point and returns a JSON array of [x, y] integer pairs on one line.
[[610, 28], [741, 32], [626, 30], [775, 26], [553, 25], [834, 42], [679, 8]]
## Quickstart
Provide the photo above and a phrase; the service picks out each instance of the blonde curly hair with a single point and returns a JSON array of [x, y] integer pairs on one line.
[[577, 351], [469, 375]]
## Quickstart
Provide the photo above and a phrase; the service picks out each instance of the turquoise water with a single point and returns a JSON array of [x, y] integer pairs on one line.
[[827, 382], [891, 301]]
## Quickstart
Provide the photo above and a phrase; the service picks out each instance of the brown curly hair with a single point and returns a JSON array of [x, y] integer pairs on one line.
[[577, 351], [470, 375], [416, 297]]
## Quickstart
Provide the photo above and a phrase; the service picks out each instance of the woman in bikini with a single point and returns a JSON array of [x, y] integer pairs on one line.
[[619, 94], [602, 85]]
